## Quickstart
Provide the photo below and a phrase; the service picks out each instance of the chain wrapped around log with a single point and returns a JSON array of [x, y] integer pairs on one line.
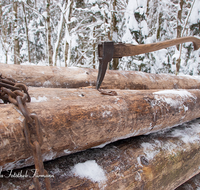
[[17, 93]]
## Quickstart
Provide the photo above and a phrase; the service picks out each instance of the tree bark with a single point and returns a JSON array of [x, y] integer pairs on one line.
[[192, 184], [157, 161], [67, 38], [27, 31], [16, 41], [1, 14], [50, 48], [3, 34], [114, 31], [77, 119], [60, 29], [60, 77], [94, 45], [179, 21]]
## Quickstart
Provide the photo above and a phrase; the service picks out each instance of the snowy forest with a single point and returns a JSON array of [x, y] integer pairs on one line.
[[66, 32]]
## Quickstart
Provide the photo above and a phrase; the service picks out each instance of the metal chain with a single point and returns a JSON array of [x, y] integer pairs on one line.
[[17, 93]]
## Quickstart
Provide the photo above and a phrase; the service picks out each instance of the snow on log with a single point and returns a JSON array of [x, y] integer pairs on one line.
[[70, 77], [162, 160], [77, 119]]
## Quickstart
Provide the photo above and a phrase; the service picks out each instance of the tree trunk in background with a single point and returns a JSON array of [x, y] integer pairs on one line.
[[2, 33], [179, 31], [66, 52], [114, 32], [179, 22], [57, 44], [35, 4], [94, 46], [159, 26], [67, 43], [1, 18], [182, 34], [27, 38], [16, 41], [50, 49]]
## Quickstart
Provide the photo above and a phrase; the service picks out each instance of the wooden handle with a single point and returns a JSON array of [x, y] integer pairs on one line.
[[121, 50]]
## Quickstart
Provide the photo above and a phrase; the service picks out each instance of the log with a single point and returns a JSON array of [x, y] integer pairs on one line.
[[163, 160], [77, 119], [191, 184], [68, 77]]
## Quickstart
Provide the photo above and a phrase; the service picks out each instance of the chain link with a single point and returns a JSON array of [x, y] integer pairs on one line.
[[17, 93]]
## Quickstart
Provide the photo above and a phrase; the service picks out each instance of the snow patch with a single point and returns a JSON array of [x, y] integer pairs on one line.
[[188, 135], [47, 83], [107, 113], [90, 170], [57, 98], [4, 142], [182, 93], [150, 149], [139, 161], [161, 96], [67, 151], [138, 176], [195, 14], [49, 156], [21, 118], [39, 99]]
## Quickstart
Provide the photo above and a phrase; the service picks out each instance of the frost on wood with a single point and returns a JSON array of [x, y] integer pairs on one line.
[[39, 99], [182, 96], [187, 134]]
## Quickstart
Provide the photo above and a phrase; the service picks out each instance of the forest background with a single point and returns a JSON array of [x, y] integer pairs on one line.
[[66, 32]]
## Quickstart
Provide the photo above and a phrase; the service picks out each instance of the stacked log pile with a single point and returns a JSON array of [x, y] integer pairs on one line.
[[75, 119]]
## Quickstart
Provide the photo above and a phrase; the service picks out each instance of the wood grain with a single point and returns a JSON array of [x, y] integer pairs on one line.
[[77, 119], [192, 184], [162, 160], [62, 77], [121, 50]]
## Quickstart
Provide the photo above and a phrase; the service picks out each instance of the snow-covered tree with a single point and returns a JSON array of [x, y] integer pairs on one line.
[[66, 32]]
